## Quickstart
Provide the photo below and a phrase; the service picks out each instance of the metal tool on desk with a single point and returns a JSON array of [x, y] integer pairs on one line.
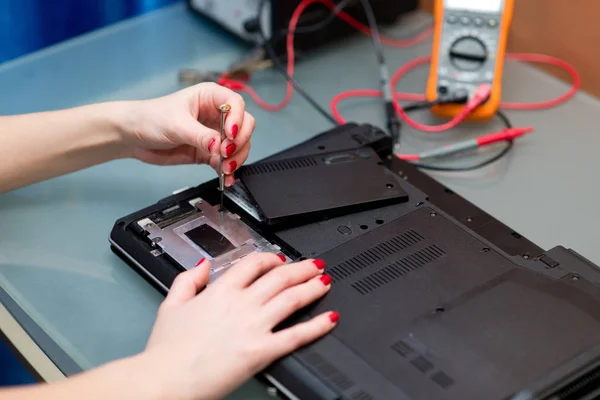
[[224, 108], [241, 70]]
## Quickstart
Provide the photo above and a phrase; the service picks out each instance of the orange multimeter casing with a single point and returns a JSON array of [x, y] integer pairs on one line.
[[469, 46]]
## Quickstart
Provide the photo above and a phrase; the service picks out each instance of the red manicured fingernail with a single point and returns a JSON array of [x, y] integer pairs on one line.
[[232, 166], [200, 262], [210, 145], [281, 257], [234, 131], [326, 279], [320, 264], [229, 150], [334, 317]]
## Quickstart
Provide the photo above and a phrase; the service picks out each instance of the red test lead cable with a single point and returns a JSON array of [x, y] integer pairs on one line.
[[402, 71], [479, 96], [549, 60]]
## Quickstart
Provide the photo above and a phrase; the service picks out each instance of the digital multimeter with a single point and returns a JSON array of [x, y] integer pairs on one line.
[[468, 50]]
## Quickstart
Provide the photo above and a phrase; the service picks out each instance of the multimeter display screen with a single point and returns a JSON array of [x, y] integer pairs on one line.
[[475, 5]]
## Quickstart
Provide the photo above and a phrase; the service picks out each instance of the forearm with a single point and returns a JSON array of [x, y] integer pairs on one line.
[[123, 379], [44, 145]]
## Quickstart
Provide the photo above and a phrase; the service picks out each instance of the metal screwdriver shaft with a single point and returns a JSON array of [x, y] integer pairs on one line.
[[224, 108]]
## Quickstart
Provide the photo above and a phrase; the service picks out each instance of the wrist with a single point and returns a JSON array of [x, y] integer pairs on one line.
[[167, 376], [145, 379], [119, 119]]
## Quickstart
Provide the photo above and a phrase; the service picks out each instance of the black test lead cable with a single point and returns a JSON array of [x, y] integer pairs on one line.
[[508, 147], [393, 123]]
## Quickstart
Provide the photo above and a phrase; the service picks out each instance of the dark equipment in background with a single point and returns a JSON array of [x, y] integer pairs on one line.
[[240, 17]]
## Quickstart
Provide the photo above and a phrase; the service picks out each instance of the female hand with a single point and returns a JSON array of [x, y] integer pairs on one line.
[[204, 346], [181, 128], [184, 128]]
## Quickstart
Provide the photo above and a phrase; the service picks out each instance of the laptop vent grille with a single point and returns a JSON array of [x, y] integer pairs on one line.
[[442, 379], [277, 166], [362, 395], [328, 371], [374, 254], [423, 364], [402, 348], [398, 269]]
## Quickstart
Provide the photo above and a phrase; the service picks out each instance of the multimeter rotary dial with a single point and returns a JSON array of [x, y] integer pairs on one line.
[[468, 53]]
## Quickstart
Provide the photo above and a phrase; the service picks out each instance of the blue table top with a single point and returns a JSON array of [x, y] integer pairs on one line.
[[55, 261]]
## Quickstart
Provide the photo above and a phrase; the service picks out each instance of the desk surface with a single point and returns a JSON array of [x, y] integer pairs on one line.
[[55, 261]]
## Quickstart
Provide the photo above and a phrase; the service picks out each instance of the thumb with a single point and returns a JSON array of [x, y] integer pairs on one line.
[[187, 284]]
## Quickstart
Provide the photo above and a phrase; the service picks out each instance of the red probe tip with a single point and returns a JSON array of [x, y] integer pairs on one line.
[[506, 134], [513, 133]]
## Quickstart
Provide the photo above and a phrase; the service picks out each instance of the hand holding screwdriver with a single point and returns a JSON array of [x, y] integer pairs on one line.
[[185, 128]]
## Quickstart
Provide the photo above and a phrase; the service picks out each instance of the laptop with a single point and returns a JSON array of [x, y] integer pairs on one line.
[[439, 299]]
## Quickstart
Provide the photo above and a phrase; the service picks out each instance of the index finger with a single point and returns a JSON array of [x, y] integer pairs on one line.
[[216, 95], [249, 269]]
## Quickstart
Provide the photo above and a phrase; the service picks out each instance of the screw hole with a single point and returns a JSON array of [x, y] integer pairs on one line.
[[526, 256], [389, 186], [426, 198], [516, 235], [440, 310], [433, 214], [486, 250], [379, 222], [575, 278], [448, 191], [469, 219], [365, 227], [419, 204]]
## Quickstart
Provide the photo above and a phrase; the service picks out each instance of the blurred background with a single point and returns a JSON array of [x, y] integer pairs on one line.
[[29, 25]]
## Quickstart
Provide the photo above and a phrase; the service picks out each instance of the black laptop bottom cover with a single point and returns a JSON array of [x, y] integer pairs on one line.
[[438, 300]]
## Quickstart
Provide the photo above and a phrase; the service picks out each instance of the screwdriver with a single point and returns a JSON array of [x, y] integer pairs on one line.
[[224, 108]]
